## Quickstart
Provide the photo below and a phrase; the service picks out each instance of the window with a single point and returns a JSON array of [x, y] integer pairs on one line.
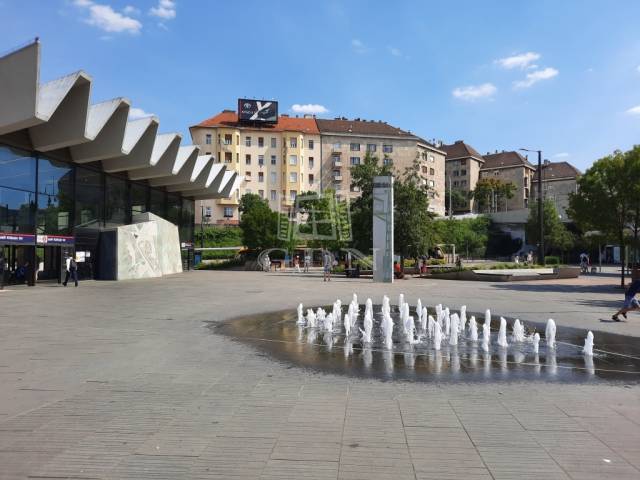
[[237, 139], [432, 171], [261, 193], [456, 173], [463, 173], [158, 202], [463, 183], [274, 142], [455, 183], [247, 141], [274, 177], [310, 162], [432, 183], [354, 147], [387, 148], [116, 200], [336, 174], [207, 153], [247, 176], [355, 160], [260, 160], [139, 198], [293, 177], [274, 195], [89, 197], [463, 162], [261, 141], [496, 173], [247, 159], [227, 139], [311, 179], [260, 176], [293, 142], [432, 158], [371, 147], [310, 144], [228, 212], [293, 194], [273, 159], [387, 161], [54, 199], [227, 157], [424, 169], [237, 158], [207, 139], [293, 160], [526, 181]]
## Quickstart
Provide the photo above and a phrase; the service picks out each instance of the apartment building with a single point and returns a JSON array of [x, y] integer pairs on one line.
[[345, 143], [559, 180], [277, 161], [511, 167], [462, 171]]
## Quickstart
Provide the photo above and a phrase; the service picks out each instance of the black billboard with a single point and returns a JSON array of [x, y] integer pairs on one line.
[[262, 111]]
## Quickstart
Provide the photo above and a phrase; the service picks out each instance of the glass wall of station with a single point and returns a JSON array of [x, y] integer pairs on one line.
[[42, 198]]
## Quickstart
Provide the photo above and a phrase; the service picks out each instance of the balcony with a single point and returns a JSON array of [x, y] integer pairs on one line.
[[226, 147], [337, 163], [337, 178], [228, 201]]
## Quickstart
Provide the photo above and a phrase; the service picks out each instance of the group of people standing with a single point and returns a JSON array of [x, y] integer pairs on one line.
[[328, 262]]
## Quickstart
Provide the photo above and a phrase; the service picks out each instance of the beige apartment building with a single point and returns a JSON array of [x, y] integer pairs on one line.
[[277, 161], [511, 167], [345, 143], [462, 171], [559, 180]]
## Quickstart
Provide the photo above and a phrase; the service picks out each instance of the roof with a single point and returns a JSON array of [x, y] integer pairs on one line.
[[229, 119], [557, 170], [505, 159], [362, 127], [459, 149]]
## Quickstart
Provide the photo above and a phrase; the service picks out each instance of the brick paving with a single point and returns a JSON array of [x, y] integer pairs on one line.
[[124, 380]]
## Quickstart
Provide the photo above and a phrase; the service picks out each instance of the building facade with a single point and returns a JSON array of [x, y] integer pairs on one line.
[[559, 181], [462, 171], [276, 161], [345, 143], [510, 167]]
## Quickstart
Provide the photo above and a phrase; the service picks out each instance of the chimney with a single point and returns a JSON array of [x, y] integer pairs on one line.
[[458, 141]]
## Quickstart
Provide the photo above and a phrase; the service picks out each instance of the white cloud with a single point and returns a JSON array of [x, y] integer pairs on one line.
[[475, 92], [130, 10], [166, 9], [106, 18], [136, 113], [523, 60], [358, 46], [561, 155], [394, 51], [309, 108], [634, 110], [535, 77]]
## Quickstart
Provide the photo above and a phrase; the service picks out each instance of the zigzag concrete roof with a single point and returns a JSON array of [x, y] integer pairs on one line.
[[58, 115]]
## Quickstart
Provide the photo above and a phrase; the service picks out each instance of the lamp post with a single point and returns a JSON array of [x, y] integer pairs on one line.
[[201, 224], [540, 212]]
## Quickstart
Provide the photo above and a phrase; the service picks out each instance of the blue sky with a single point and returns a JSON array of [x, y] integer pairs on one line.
[[560, 76]]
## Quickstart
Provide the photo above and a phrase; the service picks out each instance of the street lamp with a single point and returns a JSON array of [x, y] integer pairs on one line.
[[540, 215]]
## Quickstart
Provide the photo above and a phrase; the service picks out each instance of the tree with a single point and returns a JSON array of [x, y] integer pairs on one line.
[[489, 192], [258, 222], [469, 235], [458, 199], [608, 196], [320, 217], [556, 235]]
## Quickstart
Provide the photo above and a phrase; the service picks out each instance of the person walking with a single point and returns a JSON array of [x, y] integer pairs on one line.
[[630, 302], [296, 263], [327, 263], [307, 262], [72, 270]]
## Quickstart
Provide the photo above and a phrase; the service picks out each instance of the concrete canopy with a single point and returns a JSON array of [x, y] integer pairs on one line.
[[58, 115]]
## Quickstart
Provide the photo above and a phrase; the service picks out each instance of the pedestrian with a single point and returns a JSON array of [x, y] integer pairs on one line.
[[72, 270], [296, 263], [2, 267], [584, 263], [530, 257], [327, 263], [307, 262], [630, 302], [267, 263]]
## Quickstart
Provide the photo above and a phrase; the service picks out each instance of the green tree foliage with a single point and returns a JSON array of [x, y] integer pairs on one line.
[[556, 236], [608, 197], [458, 198], [486, 188], [259, 224], [469, 235], [219, 236], [320, 217]]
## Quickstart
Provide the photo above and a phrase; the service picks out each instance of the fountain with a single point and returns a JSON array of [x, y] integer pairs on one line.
[[486, 336], [410, 330], [463, 319], [400, 302], [337, 312], [502, 333], [328, 322], [311, 318], [424, 319], [517, 332], [368, 326], [419, 311], [447, 322], [487, 317], [301, 320], [550, 333], [386, 307], [455, 325], [368, 309], [588, 345], [437, 336], [536, 342], [473, 328], [431, 324], [347, 325]]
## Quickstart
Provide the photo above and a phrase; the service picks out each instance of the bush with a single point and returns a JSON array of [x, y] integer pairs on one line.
[[436, 261], [223, 265], [552, 260], [218, 254]]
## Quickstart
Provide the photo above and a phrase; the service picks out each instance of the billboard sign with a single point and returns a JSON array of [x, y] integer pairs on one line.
[[261, 111], [7, 238], [55, 240]]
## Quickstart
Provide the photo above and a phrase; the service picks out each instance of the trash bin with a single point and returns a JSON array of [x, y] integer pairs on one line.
[[197, 258]]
